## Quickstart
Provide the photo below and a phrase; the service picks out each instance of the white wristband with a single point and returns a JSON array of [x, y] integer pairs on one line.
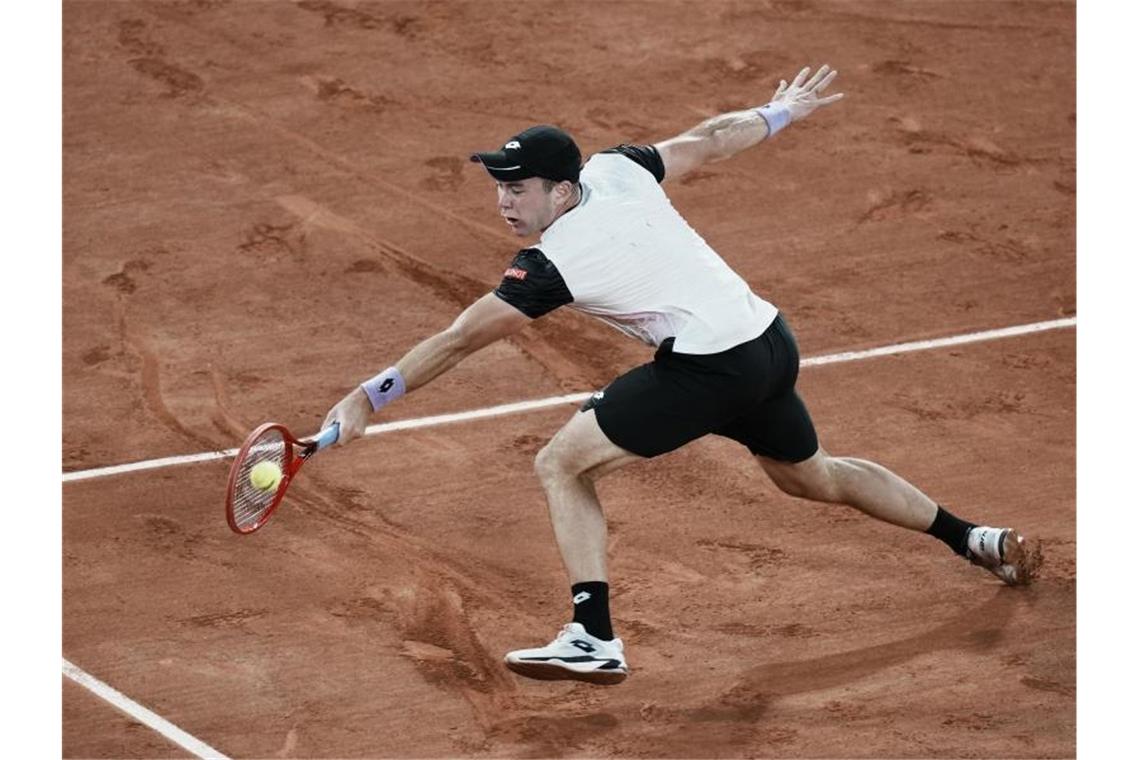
[[777, 115], [384, 388]]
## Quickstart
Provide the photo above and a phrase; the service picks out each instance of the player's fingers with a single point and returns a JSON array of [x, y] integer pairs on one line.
[[780, 90], [344, 432], [799, 80], [826, 81], [347, 433], [830, 99], [817, 77], [338, 415]]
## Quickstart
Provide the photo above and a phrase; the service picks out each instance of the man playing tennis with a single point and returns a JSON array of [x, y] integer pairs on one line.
[[611, 245]]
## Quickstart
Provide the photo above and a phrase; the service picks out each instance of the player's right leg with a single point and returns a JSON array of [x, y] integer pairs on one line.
[[567, 467], [585, 649], [646, 412]]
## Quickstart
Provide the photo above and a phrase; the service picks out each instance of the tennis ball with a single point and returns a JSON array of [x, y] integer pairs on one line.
[[265, 476]]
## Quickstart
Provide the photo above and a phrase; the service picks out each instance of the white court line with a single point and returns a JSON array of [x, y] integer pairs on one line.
[[575, 398], [953, 340], [200, 749], [140, 713]]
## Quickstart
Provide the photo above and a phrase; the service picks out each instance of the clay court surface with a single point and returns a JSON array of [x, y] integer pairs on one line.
[[266, 202]]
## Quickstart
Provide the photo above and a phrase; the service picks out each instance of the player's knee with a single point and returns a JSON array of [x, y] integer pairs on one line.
[[549, 465], [797, 484], [790, 485], [813, 480]]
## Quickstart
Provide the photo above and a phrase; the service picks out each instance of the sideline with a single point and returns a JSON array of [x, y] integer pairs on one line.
[[141, 714], [576, 398]]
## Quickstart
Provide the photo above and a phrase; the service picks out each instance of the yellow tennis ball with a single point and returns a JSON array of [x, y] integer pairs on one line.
[[265, 476]]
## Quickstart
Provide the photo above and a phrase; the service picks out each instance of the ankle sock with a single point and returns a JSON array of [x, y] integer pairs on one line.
[[592, 608], [951, 530]]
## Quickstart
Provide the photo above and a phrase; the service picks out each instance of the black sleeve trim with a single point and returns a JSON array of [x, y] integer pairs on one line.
[[645, 156], [533, 285]]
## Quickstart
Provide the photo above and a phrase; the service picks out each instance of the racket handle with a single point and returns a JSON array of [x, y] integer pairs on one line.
[[328, 436]]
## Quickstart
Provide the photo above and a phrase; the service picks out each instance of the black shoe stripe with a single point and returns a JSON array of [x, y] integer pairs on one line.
[[609, 662], [1001, 545]]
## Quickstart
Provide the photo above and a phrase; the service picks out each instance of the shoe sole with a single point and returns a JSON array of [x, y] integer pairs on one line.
[[545, 672], [1024, 560]]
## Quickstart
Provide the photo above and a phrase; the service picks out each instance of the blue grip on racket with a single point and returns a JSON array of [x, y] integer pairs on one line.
[[328, 436]]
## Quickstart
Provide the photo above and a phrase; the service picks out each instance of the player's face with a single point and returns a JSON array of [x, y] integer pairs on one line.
[[526, 205]]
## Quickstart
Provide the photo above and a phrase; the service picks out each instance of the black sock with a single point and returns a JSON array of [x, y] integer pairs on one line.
[[951, 530], [592, 608]]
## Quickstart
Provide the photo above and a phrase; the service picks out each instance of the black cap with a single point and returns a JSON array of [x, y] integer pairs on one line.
[[541, 151]]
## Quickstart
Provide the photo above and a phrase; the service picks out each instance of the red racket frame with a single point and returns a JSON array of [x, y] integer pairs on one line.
[[292, 465]]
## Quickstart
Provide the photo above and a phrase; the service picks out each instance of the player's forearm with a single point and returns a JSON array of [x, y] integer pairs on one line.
[[482, 323], [727, 134], [427, 361], [432, 357]]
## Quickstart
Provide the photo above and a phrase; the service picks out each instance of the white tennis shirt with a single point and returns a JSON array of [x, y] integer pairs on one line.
[[629, 259]]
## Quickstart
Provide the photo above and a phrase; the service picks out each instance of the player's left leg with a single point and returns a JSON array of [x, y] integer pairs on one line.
[[779, 432], [879, 493], [869, 487]]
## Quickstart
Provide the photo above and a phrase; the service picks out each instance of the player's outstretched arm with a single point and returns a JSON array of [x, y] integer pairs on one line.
[[726, 135], [482, 323]]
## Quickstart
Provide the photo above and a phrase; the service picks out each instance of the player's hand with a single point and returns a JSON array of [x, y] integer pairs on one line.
[[805, 95], [352, 412]]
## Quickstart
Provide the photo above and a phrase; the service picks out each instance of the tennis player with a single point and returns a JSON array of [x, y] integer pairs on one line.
[[611, 245]]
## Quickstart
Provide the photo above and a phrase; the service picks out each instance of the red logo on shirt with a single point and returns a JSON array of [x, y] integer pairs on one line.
[[515, 273]]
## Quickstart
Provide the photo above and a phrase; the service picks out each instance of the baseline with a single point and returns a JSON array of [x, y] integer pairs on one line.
[[575, 398]]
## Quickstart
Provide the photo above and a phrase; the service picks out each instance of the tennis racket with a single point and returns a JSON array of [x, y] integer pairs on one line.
[[249, 507]]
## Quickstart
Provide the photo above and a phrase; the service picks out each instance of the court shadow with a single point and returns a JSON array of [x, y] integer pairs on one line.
[[979, 629], [758, 688]]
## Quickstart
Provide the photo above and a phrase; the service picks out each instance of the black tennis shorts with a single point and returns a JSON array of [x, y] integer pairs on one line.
[[747, 393]]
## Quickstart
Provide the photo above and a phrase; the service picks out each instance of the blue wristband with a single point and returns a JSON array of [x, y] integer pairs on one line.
[[777, 115], [384, 388]]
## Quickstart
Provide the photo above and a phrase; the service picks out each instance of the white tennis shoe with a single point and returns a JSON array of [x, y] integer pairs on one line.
[[574, 655], [1004, 553]]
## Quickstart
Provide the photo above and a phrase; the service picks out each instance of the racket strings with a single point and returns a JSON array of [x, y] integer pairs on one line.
[[251, 503]]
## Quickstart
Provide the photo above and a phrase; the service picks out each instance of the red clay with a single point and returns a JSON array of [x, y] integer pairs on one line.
[[266, 201]]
